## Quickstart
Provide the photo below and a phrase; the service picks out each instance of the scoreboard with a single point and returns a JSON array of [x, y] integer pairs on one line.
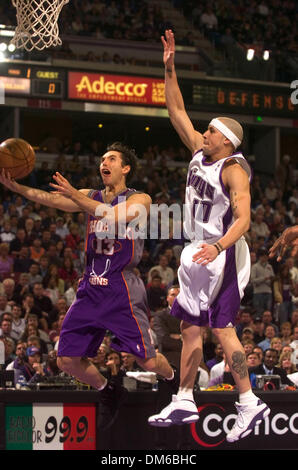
[[32, 81], [51, 85]]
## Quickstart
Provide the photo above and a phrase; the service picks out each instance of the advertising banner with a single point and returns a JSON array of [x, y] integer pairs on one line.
[[278, 431], [116, 89], [50, 426]]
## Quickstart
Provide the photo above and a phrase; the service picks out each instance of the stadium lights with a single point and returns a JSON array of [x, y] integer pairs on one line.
[[266, 55], [250, 54], [11, 47], [3, 46], [6, 33]]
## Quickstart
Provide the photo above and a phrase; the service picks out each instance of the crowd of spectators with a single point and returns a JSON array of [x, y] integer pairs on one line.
[[267, 25], [42, 259], [127, 20]]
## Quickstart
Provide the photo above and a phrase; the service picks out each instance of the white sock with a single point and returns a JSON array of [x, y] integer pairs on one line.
[[185, 394], [171, 378], [248, 398], [103, 386]]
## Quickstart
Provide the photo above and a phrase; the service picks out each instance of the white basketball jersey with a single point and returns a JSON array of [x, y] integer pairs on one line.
[[208, 212]]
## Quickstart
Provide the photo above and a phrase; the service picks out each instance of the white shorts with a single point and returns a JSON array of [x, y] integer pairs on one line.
[[211, 294]]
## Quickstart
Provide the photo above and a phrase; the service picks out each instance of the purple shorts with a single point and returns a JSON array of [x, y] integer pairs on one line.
[[119, 306]]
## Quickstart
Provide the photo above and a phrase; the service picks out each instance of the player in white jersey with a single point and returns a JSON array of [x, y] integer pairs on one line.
[[215, 266]]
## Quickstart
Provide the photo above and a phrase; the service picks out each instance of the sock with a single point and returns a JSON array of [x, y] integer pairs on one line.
[[103, 386], [170, 378], [185, 394], [248, 398]]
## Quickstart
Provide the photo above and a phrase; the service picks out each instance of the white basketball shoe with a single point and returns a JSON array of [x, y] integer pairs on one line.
[[248, 417], [178, 412]]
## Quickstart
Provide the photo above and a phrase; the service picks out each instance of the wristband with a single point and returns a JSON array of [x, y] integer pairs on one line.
[[218, 246]]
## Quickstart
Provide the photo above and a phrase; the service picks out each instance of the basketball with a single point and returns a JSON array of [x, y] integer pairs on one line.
[[17, 156]]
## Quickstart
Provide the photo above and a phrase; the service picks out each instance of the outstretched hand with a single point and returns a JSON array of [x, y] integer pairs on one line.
[[8, 181], [168, 42], [62, 185], [289, 238]]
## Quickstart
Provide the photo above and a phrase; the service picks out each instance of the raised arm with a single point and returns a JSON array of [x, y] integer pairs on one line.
[[174, 100], [50, 199], [137, 206]]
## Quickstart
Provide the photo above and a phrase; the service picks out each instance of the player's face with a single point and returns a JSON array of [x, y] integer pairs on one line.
[[213, 141], [111, 168], [172, 296]]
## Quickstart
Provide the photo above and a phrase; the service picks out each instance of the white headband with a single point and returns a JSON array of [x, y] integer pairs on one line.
[[225, 131]]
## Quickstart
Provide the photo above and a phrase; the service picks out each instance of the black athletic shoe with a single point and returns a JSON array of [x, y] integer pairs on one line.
[[111, 398]]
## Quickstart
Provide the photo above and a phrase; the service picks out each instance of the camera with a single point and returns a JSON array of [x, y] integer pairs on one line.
[[268, 382], [6, 378]]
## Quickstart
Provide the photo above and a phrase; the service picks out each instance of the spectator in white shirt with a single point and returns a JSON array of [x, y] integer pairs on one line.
[[271, 191], [262, 276], [208, 19], [259, 226], [6, 235], [166, 273], [18, 323], [294, 346], [61, 228]]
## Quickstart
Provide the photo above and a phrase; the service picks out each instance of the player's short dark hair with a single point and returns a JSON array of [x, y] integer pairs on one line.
[[174, 286], [129, 157]]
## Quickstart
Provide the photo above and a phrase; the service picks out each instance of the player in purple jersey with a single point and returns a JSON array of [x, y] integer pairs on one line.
[[110, 296], [215, 265]]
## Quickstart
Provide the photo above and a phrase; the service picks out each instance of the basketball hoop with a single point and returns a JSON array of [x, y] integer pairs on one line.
[[37, 23]]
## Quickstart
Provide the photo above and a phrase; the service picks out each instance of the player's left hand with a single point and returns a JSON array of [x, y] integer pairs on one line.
[[289, 238], [168, 42], [205, 255], [62, 185]]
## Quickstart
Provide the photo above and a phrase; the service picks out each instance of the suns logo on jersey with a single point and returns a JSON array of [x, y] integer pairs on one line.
[[98, 281]]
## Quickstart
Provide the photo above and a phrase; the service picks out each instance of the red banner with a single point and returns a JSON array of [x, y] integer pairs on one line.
[[116, 88], [79, 428]]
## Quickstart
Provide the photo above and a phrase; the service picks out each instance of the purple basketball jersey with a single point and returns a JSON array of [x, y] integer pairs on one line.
[[110, 296], [105, 255]]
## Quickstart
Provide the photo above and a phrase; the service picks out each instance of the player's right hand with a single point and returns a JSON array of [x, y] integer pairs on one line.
[[206, 254], [168, 42], [8, 181]]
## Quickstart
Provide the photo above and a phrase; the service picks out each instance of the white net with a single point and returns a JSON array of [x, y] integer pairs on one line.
[[37, 23]]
